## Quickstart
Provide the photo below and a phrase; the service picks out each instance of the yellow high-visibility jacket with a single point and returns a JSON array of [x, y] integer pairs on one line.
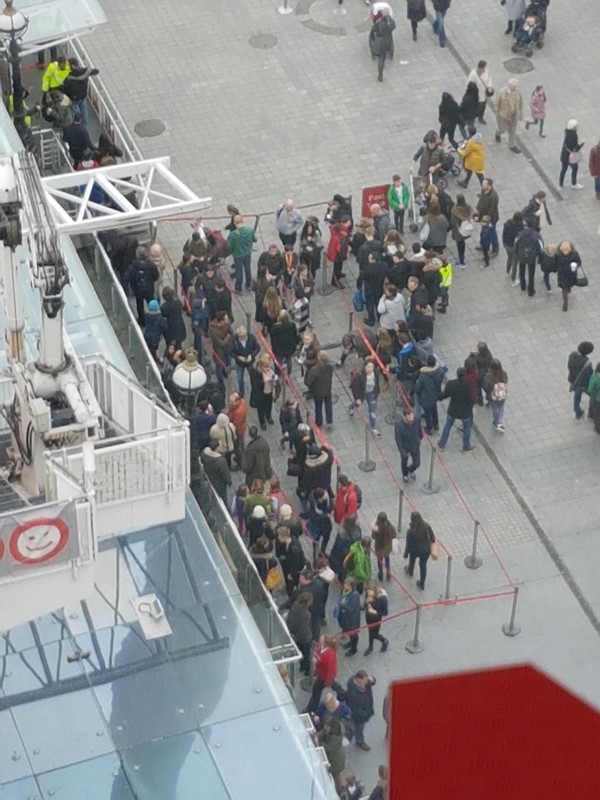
[[54, 76]]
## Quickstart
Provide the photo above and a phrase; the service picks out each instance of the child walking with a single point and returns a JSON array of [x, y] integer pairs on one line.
[[537, 106], [486, 239]]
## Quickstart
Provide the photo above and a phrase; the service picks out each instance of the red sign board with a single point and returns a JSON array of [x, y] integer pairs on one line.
[[374, 194], [492, 735]]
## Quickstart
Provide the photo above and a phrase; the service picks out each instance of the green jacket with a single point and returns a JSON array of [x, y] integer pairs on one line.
[[216, 469], [396, 203], [594, 386], [240, 242], [361, 564]]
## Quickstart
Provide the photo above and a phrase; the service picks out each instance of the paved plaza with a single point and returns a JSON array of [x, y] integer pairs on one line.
[[306, 118]]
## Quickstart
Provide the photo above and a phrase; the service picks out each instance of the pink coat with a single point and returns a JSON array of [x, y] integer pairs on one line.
[[537, 106]]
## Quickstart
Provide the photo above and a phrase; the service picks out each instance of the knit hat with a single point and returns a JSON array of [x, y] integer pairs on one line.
[[572, 124], [259, 512], [153, 305], [286, 511]]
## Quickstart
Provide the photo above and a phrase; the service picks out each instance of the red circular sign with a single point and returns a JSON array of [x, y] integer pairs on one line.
[[38, 540]]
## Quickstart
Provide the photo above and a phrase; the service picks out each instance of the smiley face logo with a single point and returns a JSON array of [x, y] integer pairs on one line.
[[38, 540]]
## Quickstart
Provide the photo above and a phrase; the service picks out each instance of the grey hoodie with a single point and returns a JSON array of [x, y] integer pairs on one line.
[[287, 222]]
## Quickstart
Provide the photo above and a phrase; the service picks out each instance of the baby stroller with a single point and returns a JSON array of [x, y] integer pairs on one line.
[[528, 34]]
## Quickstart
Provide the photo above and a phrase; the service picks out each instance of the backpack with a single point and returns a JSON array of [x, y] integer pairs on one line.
[[141, 278], [499, 392]]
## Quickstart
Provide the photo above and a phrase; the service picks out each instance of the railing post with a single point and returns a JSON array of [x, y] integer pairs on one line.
[[473, 561], [400, 509], [285, 8], [350, 321], [367, 465], [326, 287], [430, 487], [510, 629], [248, 322], [415, 646], [448, 577]]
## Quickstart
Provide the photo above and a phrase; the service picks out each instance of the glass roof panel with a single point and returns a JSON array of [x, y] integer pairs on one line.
[[57, 19], [96, 779], [27, 789]]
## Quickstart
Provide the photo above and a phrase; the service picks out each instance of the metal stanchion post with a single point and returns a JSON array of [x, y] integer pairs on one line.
[[326, 287], [400, 509], [473, 561], [350, 321], [415, 645], [283, 384], [285, 8], [510, 629], [448, 577], [430, 487], [248, 322], [338, 472], [392, 418], [367, 465]]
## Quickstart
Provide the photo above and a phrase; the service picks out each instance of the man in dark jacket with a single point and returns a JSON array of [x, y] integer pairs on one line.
[[440, 7], [202, 423], [512, 228], [374, 275], [382, 41], [143, 275], [216, 468], [318, 381], [407, 433], [257, 458], [535, 209], [309, 582], [579, 371], [359, 700], [291, 558], [370, 245], [316, 472], [427, 391], [487, 206], [156, 326], [76, 87], [244, 350], [461, 408], [172, 311], [527, 249], [121, 249], [77, 138], [421, 324]]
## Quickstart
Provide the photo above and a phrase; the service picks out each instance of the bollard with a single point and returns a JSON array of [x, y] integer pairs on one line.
[[326, 287], [415, 646], [473, 561], [430, 487], [248, 321], [284, 9], [400, 509], [511, 629], [367, 465], [448, 577], [350, 321]]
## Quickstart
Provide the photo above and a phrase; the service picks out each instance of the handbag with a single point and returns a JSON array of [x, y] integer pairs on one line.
[[434, 550], [489, 90], [424, 233], [358, 301], [274, 579], [466, 228], [294, 468], [580, 277], [575, 157]]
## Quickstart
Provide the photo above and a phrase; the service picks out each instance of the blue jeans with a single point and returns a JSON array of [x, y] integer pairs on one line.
[[438, 27], [497, 412], [359, 732], [371, 403], [467, 426], [370, 308], [81, 107], [563, 171], [468, 173], [494, 243], [431, 418], [240, 376], [597, 184], [577, 395], [242, 268], [382, 562]]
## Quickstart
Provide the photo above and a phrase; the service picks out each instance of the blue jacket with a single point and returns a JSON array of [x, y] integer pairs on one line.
[[201, 426], [348, 614], [156, 325]]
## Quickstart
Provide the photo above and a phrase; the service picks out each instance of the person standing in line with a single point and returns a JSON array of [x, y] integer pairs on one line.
[[514, 10], [257, 458], [319, 381], [383, 534], [440, 7], [473, 155], [496, 392], [360, 702], [380, 792], [482, 78], [240, 243], [143, 275], [469, 106], [461, 227], [245, 349], [337, 249], [331, 739], [594, 167], [262, 383], [298, 623], [570, 155], [238, 416], [347, 611], [216, 468], [527, 250], [419, 538], [407, 433], [325, 669], [399, 199], [567, 261], [488, 205], [415, 12], [427, 390], [459, 408], [579, 369], [509, 110], [288, 221], [382, 41], [537, 106], [364, 386], [376, 608], [358, 563]]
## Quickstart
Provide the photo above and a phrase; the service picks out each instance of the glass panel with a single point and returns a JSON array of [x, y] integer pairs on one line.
[[20, 790], [13, 758], [174, 768], [96, 779], [60, 17]]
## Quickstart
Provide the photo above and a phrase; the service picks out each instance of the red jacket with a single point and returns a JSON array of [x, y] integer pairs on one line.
[[594, 162], [345, 503], [326, 665], [338, 231]]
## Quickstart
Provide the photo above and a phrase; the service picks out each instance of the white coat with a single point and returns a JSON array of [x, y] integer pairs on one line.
[[514, 9]]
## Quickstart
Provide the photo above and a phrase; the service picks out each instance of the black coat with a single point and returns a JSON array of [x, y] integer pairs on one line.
[[579, 370], [418, 545], [570, 145], [528, 246], [469, 105], [299, 624], [291, 558], [461, 400], [76, 136], [241, 349], [429, 385], [360, 701], [284, 339], [449, 111], [172, 311], [415, 10], [565, 276], [374, 274], [319, 379]]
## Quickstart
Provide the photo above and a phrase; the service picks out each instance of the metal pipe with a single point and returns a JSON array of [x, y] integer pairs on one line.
[[430, 487], [511, 629], [400, 509], [350, 321], [473, 561], [448, 577], [367, 465], [415, 646]]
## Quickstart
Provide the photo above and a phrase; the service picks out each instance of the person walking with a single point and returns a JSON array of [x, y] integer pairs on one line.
[[509, 110], [415, 13], [419, 541], [461, 227], [593, 389], [496, 392], [459, 408], [469, 106], [376, 608], [514, 10], [567, 261], [481, 77], [383, 534], [473, 156], [511, 230], [245, 349], [288, 221], [537, 107], [319, 381], [449, 117], [359, 699], [488, 206], [240, 242], [527, 250], [579, 372], [257, 458], [594, 167], [427, 390], [407, 433], [440, 7], [570, 155], [347, 612], [382, 41]]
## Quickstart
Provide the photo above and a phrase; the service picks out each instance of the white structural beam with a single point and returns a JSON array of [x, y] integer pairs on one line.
[[134, 192]]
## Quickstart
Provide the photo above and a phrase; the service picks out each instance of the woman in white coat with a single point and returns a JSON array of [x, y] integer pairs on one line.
[[514, 9]]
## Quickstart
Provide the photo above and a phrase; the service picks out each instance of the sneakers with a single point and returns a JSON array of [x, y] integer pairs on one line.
[[364, 746], [351, 410], [514, 283], [576, 186], [483, 266], [461, 266], [405, 478], [421, 585], [385, 645], [375, 432], [515, 149], [368, 651], [527, 124], [462, 183], [468, 449], [497, 137], [500, 427], [439, 447]]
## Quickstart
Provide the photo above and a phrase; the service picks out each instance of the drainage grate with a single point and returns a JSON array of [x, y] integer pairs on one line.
[[518, 65], [263, 41], [149, 127]]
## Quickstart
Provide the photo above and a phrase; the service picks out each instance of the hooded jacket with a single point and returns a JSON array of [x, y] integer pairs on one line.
[[408, 435], [345, 503], [359, 563], [156, 325], [215, 466], [224, 432], [473, 154], [391, 310], [257, 461], [449, 111], [316, 473], [172, 311], [429, 385]]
